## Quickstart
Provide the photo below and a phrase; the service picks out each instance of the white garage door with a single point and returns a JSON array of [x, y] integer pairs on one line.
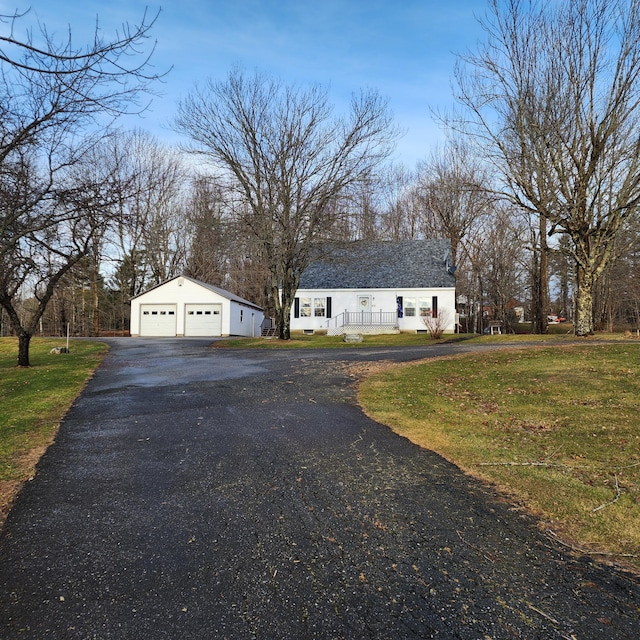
[[158, 319], [203, 320]]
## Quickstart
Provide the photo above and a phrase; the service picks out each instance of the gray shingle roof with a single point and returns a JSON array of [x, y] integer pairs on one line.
[[408, 264], [224, 293]]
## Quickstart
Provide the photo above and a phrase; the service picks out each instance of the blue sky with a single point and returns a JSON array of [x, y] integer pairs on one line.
[[403, 49]]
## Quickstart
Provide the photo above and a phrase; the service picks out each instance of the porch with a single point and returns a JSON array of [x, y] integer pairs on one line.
[[364, 322]]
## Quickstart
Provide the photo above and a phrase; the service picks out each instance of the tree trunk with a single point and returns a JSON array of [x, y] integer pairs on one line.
[[283, 298], [535, 292], [540, 284], [544, 276], [24, 339], [284, 303], [480, 307], [284, 322], [96, 305], [584, 304]]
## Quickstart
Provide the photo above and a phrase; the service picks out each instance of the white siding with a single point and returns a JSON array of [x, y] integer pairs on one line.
[[381, 300], [185, 294], [245, 321]]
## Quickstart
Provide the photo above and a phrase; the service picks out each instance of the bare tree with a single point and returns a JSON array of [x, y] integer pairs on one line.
[[437, 323], [454, 187], [471, 280], [503, 273], [45, 239], [553, 97], [561, 267], [150, 236], [287, 159], [628, 284], [364, 207], [614, 299], [208, 220], [535, 247], [400, 212], [221, 250], [52, 95]]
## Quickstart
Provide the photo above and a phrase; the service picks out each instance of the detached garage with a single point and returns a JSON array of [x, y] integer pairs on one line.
[[183, 306]]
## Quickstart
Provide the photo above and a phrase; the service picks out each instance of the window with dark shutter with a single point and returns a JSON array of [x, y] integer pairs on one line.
[[434, 307], [328, 306], [296, 307]]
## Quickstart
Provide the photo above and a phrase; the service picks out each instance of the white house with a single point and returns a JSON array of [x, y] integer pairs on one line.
[[184, 306], [377, 287]]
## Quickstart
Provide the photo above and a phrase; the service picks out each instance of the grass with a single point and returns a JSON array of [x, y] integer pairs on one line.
[[319, 341], [557, 428], [34, 400]]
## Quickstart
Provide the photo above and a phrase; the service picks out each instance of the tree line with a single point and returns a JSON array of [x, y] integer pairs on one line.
[[537, 186]]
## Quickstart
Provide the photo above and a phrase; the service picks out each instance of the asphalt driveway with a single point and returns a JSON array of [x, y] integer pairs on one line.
[[224, 494]]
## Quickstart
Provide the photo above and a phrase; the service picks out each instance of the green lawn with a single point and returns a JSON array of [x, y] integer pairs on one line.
[[557, 428], [301, 341], [34, 400]]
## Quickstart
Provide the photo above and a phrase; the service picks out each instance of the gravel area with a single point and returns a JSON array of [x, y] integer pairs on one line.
[[196, 492]]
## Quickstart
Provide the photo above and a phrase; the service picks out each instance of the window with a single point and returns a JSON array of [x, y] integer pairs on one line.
[[425, 309], [409, 307], [305, 307], [241, 315], [312, 307]]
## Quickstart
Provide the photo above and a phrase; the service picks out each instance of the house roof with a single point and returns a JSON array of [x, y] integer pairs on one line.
[[221, 292], [408, 264]]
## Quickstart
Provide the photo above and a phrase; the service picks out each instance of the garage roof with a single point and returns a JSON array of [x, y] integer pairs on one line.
[[221, 292]]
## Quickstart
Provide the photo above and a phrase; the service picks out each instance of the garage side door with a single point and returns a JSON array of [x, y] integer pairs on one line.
[[203, 320], [158, 320]]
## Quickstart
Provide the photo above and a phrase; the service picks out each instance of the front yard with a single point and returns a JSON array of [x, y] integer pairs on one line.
[[557, 429]]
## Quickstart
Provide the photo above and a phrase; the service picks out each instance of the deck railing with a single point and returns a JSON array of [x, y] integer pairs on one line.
[[363, 318]]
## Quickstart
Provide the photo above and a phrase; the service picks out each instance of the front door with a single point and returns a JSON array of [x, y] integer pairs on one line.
[[364, 303]]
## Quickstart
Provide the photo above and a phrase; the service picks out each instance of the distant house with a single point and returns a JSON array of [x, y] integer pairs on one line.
[[184, 306], [377, 287]]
